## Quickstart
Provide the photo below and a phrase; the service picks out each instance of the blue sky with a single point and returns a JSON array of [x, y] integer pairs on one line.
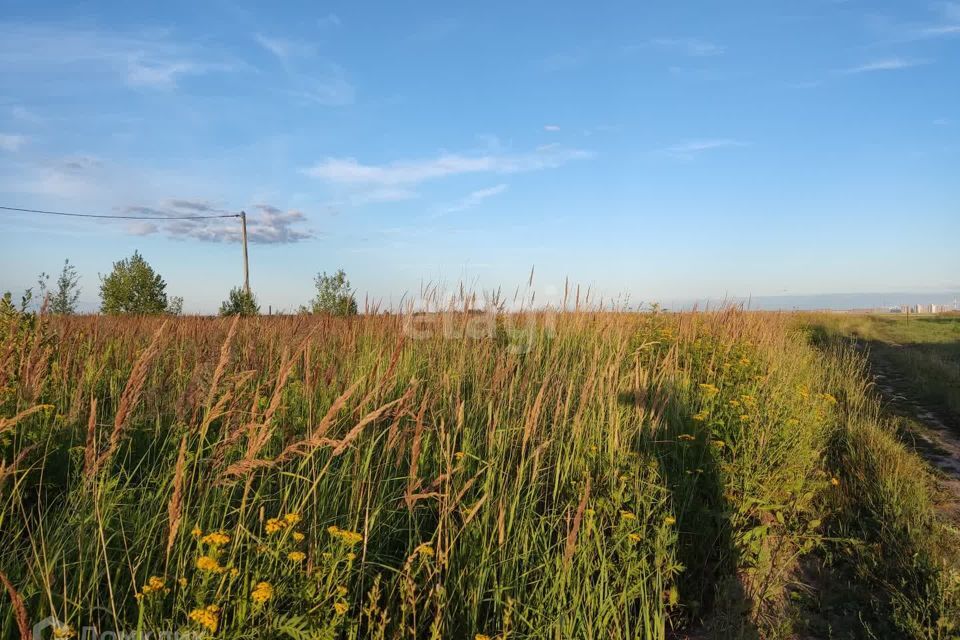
[[661, 151]]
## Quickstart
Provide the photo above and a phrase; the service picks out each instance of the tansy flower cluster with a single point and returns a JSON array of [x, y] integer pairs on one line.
[[63, 631], [208, 617], [216, 539], [262, 592], [349, 537], [296, 556], [209, 563], [154, 584], [275, 525], [709, 389]]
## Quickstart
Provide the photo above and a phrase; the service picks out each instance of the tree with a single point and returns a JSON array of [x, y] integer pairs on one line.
[[240, 303], [334, 295], [175, 305], [64, 300], [133, 287]]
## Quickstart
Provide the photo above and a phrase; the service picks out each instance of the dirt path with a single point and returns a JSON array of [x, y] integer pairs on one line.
[[932, 436]]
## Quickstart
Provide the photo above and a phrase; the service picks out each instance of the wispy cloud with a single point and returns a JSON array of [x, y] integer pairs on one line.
[[886, 64], [411, 172], [266, 224], [11, 142], [142, 59], [551, 127], [284, 48], [943, 22], [695, 147], [330, 20], [311, 77], [474, 198], [686, 46]]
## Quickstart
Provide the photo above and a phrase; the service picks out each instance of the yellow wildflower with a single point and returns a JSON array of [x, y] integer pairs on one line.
[[424, 550], [208, 617], [274, 525], [349, 537], [481, 636], [155, 583], [709, 389], [216, 539], [627, 515], [341, 590], [719, 444], [297, 536], [744, 361], [685, 437], [262, 592], [183, 582], [197, 532], [459, 455], [744, 417], [634, 537], [835, 482], [207, 563], [296, 556], [701, 415], [830, 398], [63, 631], [234, 572], [351, 556], [669, 521], [341, 607], [292, 518]]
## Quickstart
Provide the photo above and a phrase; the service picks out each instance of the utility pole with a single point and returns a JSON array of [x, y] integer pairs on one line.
[[246, 262]]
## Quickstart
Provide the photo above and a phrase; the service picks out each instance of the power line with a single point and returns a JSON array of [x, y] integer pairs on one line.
[[91, 215]]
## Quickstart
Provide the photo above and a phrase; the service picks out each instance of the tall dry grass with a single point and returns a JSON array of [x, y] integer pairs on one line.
[[592, 475]]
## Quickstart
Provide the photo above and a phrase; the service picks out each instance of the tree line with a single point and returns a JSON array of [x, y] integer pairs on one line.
[[133, 287]]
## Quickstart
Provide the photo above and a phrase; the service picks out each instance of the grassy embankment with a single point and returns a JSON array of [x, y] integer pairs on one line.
[[608, 475], [924, 350]]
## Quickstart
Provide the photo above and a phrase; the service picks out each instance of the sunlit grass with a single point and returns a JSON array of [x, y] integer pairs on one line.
[[598, 475]]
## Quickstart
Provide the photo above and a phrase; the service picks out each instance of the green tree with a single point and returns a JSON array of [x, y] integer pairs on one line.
[[240, 303], [64, 299], [334, 295], [175, 305], [133, 287]]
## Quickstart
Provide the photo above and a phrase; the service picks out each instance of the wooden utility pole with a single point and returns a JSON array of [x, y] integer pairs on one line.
[[246, 262]]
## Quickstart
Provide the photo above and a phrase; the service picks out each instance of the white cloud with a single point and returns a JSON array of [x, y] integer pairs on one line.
[[284, 48], [411, 172], [551, 127], [694, 147], [25, 115], [311, 78], [144, 59], [687, 46], [887, 64], [11, 142], [474, 198], [384, 194]]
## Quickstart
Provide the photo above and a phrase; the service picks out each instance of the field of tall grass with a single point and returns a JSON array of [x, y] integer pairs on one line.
[[570, 475]]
